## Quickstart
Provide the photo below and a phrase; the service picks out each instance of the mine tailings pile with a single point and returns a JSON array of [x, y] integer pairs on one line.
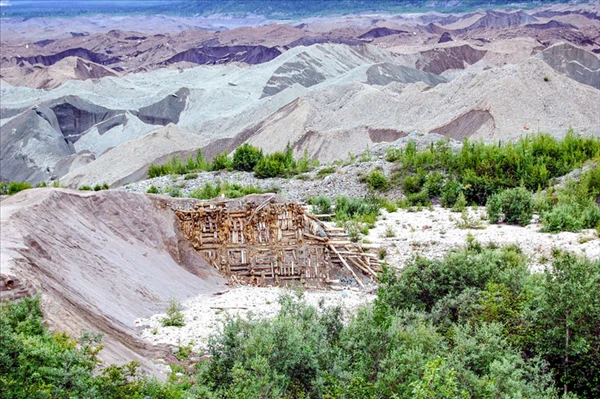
[[275, 243]]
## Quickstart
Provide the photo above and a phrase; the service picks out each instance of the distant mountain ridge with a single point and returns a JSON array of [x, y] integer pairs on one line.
[[273, 9]]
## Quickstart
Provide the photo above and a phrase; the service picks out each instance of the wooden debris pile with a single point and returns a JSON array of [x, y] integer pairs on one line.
[[274, 243]]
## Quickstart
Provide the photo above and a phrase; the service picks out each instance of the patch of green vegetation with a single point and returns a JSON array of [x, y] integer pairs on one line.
[[225, 189], [99, 187], [283, 164], [13, 187], [174, 317], [246, 157], [37, 363], [476, 323], [321, 205], [376, 181], [482, 170], [222, 161], [573, 207], [153, 190], [176, 166], [321, 173], [85, 188], [513, 206]]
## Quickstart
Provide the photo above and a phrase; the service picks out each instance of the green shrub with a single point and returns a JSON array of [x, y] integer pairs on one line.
[[572, 216], [460, 205], [208, 191], [393, 154], [434, 182], [174, 192], [85, 188], [222, 162], [246, 157], [228, 190], [174, 316], [277, 164], [321, 205], [484, 169], [305, 164], [361, 209], [376, 180], [574, 206], [3, 188], [514, 206], [176, 166], [494, 208], [153, 190], [450, 193], [321, 173], [412, 184], [419, 199], [16, 186], [190, 176]]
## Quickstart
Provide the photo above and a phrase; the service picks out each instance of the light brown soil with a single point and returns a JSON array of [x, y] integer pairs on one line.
[[100, 260]]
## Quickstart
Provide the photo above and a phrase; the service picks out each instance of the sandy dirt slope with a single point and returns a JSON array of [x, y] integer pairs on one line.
[[100, 261]]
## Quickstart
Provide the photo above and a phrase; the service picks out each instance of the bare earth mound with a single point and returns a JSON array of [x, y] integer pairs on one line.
[[100, 261]]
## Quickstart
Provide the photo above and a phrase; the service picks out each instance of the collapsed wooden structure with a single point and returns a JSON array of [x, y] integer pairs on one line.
[[271, 243]]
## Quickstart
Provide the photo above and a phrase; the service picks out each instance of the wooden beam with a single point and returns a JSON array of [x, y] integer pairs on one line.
[[347, 266]]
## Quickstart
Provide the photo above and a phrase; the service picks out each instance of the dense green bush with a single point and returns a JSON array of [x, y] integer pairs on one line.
[[485, 169], [360, 209], [222, 162], [277, 164], [412, 184], [246, 157], [476, 323], [450, 193], [16, 186], [226, 189], [514, 206], [272, 165], [321, 205], [85, 188], [35, 363], [419, 199], [574, 206], [434, 183], [174, 192], [377, 181], [153, 190], [176, 166]]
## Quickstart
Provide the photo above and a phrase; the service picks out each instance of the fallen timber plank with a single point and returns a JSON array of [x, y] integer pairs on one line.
[[336, 242], [347, 265], [357, 264], [324, 215], [314, 237]]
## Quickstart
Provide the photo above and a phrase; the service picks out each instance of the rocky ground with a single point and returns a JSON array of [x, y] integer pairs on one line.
[[432, 232], [204, 315]]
